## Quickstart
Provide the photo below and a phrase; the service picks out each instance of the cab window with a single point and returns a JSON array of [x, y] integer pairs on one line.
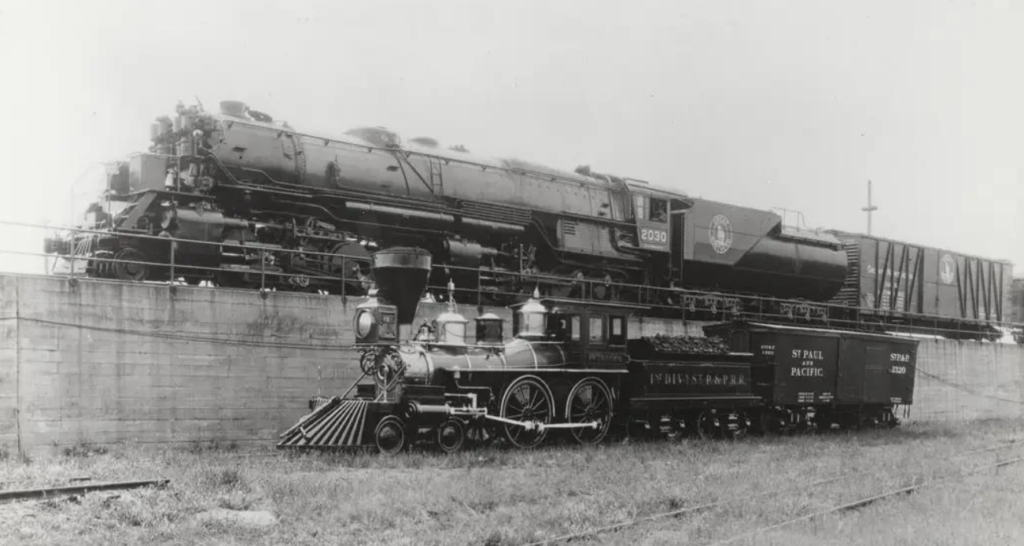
[[617, 331], [575, 330], [597, 330], [558, 327], [659, 210], [640, 206]]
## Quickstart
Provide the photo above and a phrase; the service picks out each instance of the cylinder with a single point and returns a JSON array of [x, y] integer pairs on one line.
[[428, 409], [463, 253]]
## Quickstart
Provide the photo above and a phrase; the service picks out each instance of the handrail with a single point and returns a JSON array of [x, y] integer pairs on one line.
[[686, 298]]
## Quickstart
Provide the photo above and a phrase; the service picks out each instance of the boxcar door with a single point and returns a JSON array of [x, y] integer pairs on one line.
[[876, 374], [852, 359]]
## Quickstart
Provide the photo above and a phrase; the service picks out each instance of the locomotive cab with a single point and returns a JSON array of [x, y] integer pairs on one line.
[[591, 335]]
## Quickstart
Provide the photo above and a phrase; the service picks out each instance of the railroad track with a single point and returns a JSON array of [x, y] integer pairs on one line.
[[866, 501], [50, 492], [803, 487]]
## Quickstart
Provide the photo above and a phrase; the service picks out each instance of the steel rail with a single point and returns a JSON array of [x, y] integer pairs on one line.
[[867, 500], [803, 486], [28, 494]]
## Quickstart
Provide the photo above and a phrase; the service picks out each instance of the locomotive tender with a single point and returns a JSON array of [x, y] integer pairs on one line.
[[572, 368], [252, 202]]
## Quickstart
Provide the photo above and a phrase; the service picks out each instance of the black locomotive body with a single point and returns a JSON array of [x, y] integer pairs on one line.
[[238, 199], [244, 188], [572, 368]]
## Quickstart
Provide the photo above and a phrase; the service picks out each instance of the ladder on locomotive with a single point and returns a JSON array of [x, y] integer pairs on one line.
[[435, 178]]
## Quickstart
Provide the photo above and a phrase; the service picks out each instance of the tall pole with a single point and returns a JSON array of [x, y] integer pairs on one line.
[[870, 208]]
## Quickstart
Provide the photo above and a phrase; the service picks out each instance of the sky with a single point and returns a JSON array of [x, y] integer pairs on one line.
[[793, 104]]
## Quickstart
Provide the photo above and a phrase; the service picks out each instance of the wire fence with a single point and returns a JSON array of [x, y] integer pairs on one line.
[[77, 253]]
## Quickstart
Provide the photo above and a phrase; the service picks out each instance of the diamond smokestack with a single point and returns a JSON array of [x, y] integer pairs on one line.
[[401, 274]]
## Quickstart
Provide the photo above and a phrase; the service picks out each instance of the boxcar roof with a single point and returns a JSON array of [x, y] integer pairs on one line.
[[812, 330]]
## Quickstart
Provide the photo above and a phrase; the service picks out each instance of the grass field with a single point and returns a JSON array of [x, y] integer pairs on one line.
[[506, 497]]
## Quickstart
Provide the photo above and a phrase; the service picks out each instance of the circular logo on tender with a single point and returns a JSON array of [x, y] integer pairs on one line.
[[947, 269], [720, 234]]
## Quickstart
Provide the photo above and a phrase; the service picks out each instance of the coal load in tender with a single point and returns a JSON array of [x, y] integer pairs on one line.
[[661, 345]]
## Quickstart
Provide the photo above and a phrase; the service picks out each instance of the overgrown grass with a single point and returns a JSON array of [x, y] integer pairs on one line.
[[84, 449], [503, 497]]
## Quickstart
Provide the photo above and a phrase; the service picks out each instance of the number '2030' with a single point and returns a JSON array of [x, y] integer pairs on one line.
[[653, 235]]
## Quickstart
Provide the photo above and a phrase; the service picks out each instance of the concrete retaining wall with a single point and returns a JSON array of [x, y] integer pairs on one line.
[[106, 362]]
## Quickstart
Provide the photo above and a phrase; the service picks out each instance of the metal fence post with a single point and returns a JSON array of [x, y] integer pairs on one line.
[[263, 270], [173, 245], [73, 260], [74, 254], [682, 313]]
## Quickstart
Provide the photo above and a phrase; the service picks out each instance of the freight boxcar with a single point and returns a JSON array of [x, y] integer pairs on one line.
[[889, 278], [810, 375], [1017, 301]]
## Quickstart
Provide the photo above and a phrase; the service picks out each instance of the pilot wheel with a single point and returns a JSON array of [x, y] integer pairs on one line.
[[390, 435], [451, 435]]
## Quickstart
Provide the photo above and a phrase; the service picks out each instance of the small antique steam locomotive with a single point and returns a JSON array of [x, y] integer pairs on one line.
[[572, 367]]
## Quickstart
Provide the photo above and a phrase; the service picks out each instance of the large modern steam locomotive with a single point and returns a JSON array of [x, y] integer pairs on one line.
[[238, 199], [572, 368]]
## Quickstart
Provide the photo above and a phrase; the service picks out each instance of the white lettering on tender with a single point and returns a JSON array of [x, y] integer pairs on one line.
[[899, 357], [806, 372], [698, 379], [898, 370]]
